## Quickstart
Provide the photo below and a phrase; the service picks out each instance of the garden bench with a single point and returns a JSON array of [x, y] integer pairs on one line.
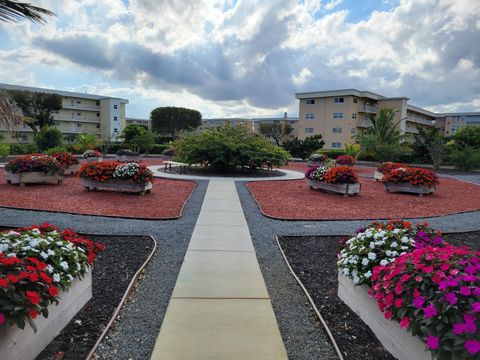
[[168, 165]]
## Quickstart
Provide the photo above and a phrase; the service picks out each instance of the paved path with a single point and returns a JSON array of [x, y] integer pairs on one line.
[[220, 307]]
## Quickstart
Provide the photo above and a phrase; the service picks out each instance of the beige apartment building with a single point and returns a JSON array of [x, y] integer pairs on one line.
[[135, 121], [217, 122], [80, 113], [450, 123], [292, 121], [338, 115]]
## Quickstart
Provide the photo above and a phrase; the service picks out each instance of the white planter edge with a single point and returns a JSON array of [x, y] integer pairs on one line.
[[345, 189]]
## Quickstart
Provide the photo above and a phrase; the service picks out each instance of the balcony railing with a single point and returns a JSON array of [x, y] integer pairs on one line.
[[76, 119], [368, 109], [419, 120], [82, 107]]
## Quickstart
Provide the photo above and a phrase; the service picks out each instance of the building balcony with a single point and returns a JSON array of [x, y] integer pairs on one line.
[[411, 130], [364, 123], [85, 107], [76, 119], [368, 109], [417, 120]]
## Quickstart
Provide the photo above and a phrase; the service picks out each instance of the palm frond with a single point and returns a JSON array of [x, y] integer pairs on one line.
[[14, 11]]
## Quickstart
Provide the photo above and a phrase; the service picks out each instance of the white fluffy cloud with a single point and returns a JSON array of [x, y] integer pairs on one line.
[[249, 57]]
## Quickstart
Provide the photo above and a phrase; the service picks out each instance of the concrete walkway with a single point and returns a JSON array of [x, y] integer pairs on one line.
[[220, 307]]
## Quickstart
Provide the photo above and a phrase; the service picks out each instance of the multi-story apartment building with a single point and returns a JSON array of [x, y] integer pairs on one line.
[[338, 115], [449, 123], [292, 121], [134, 121], [80, 113], [216, 122]]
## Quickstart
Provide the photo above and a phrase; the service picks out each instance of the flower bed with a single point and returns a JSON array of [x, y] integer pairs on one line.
[[35, 265], [126, 155], [339, 179], [430, 288], [411, 180], [345, 160], [69, 162], [386, 167], [92, 156], [129, 177], [33, 168], [317, 159]]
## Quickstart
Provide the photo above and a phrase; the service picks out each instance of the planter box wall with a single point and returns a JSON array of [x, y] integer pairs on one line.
[[94, 159], [408, 188], [118, 185], [377, 175], [318, 163], [33, 177], [345, 189], [400, 343], [25, 344]]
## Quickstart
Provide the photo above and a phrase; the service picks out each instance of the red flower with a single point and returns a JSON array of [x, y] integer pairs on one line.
[[32, 313], [53, 291], [3, 283], [33, 297]]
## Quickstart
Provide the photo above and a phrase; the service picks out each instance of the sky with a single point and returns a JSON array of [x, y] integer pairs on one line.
[[248, 58]]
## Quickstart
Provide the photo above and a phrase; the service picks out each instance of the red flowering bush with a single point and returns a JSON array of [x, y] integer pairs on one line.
[[108, 170], [35, 263], [434, 293], [389, 166], [340, 175], [345, 160], [65, 159], [34, 162], [414, 176], [91, 153]]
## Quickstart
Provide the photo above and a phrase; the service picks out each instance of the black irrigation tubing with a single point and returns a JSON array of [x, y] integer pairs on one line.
[[317, 312]]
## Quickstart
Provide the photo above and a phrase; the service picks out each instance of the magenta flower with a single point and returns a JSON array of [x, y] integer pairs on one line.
[[476, 307], [418, 302], [451, 298], [430, 311], [465, 290], [405, 322], [472, 346], [2, 318], [458, 329], [433, 342]]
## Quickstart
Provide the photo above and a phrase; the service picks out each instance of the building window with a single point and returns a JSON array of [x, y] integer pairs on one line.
[[354, 115], [291, 136], [338, 115], [353, 130], [97, 102], [79, 102], [337, 130], [310, 101], [98, 126], [292, 122], [309, 116], [98, 114], [354, 100], [73, 115], [115, 118], [115, 130], [79, 125], [72, 102], [308, 130], [336, 145], [339, 100], [115, 106], [79, 113]]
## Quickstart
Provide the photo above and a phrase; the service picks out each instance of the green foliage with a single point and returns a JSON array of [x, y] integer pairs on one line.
[[37, 107], [85, 142], [466, 159], [55, 150], [468, 136], [131, 131], [4, 151], [142, 142], [227, 147], [48, 137], [158, 148], [275, 131], [352, 150], [171, 120], [303, 148], [22, 149]]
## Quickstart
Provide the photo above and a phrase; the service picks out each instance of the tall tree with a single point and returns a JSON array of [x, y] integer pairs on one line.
[[276, 131], [16, 11], [171, 120], [37, 107], [429, 144]]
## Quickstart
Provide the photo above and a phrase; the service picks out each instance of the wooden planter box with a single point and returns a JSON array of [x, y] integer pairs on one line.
[[408, 188], [25, 344], [400, 343], [345, 189], [34, 177], [116, 185], [94, 159], [377, 175], [71, 170], [128, 158]]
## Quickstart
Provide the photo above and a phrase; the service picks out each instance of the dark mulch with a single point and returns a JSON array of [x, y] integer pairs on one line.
[[199, 171], [112, 272], [313, 258], [166, 200]]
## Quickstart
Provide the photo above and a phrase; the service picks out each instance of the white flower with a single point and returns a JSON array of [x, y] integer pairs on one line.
[[50, 268], [368, 274], [64, 265], [11, 255], [372, 245], [3, 248], [384, 262], [345, 271], [368, 234], [372, 256], [365, 262], [394, 244], [36, 232], [50, 252], [70, 277], [44, 255], [56, 277], [396, 231], [405, 239], [356, 280]]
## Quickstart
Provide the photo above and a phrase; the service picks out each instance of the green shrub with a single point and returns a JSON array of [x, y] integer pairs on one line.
[[56, 149], [333, 154], [22, 149], [48, 137], [304, 148], [466, 159], [4, 151], [226, 147], [84, 142], [159, 148]]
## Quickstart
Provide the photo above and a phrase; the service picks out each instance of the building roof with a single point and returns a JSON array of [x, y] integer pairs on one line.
[[341, 92], [59, 92], [459, 114], [421, 111], [288, 118]]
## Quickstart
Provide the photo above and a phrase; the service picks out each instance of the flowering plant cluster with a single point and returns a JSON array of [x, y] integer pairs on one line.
[[108, 170], [316, 173], [434, 292], [381, 244], [65, 159], [345, 160], [413, 176], [340, 175], [34, 162], [91, 153], [318, 157], [35, 263], [389, 166]]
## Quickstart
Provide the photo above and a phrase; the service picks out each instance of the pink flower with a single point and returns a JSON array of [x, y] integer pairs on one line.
[[430, 311], [418, 302], [2, 318], [433, 342], [405, 322], [458, 328], [428, 269], [388, 315], [464, 290], [451, 298], [476, 307], [398, 302], [472, 346]]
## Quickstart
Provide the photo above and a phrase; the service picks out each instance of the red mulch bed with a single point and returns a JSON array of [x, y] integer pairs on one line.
[[293, 200], [166, 200], [302, 167]]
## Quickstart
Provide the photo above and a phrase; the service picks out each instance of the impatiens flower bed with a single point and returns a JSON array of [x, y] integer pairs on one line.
[[318, 157], [340, 175], [35, 263], [413, 176], [339, 179], [92, 153], [389, 166], [316, 173], [65, 159], [108, 170], [345, 160], [34, 163], [430, 287]]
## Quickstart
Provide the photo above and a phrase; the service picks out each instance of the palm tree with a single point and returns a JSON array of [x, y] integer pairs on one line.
[[15, 11]]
